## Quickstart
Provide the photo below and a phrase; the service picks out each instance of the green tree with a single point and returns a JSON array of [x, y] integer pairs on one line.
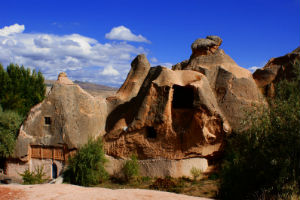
[[20, 89], [265, 159], [10, 122], [86, 167]]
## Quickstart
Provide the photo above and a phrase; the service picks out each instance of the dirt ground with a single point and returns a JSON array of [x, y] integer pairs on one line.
[[73, 192]]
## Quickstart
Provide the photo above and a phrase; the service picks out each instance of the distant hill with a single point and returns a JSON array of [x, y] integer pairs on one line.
[[92, 88]]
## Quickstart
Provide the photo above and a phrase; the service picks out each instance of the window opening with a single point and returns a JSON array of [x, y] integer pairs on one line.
[[183, 97], [47, 120]]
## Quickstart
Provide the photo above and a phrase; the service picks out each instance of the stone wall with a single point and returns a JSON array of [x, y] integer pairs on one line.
[[15, 168], [159, 167]]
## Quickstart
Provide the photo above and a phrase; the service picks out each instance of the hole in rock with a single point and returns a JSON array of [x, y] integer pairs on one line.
[[47, 120], [151, 133], [183, 97]]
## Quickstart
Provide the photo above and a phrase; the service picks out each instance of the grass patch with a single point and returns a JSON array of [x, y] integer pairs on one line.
[[204, 187]]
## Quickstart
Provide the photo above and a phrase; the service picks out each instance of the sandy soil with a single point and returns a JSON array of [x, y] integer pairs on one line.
[[66, 191]]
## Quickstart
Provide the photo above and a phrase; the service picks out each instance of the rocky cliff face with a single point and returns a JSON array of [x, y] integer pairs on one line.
[[233, 86], [67, 117], [174, 116], [184, 112], [275, 70]]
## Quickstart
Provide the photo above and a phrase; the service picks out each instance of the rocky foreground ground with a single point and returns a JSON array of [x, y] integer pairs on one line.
[[66, 191]]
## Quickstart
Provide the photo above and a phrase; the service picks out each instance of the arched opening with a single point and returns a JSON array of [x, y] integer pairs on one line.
[[54, 171]]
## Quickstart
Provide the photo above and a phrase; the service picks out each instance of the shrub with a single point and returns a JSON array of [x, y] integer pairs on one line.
[[143, 179], [196, 173], [168, 184], [165, 184], [131, 168], [266, 157], [35, 177], [10, 122], [86, 167]]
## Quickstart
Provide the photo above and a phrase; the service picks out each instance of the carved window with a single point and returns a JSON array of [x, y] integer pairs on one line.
[[183, 97], [47, 120]]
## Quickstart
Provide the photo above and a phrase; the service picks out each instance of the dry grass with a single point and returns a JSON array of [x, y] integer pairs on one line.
[[201, 188]]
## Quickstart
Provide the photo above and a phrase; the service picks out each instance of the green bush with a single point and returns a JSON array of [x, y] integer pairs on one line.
[[86, 167], [10, 122], [131, 168], [196, 173], [35, 177], [266, 157]]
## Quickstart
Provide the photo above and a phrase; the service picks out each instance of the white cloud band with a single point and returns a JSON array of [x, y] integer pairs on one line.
[[123, 33], [83, 58], [13, 29]]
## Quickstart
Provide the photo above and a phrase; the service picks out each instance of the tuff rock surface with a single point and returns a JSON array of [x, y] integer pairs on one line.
[[139, 69], [75, 116], [275, 70], [233, 86], [175, 115], [184, 112]]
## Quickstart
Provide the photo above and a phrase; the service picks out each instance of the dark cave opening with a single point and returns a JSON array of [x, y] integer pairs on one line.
[[183, 97], [151, 133]]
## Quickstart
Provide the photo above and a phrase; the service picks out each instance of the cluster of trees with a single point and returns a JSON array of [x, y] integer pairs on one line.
[[263, 162], [20, 89]]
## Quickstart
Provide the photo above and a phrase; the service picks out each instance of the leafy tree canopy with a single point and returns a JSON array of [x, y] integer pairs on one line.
[[10, 122], [20, 89]]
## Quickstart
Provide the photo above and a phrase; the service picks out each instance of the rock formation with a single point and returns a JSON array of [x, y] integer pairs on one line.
[[62, 123], [172, 119], [139, 70], [175, 115], [275, 70], [184, 112], [233, 86]]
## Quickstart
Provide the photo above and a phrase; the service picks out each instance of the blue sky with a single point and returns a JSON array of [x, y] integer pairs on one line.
[[96, 40]]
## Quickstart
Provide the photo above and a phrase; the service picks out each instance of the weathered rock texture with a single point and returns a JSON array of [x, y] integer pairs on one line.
[[275, 70], [139, 70], [233, 86], [175, 115], [184, 112], [66, 119], [206, 46]]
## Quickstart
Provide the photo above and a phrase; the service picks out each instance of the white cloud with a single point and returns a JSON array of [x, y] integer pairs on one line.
[[166, 64], [13, 29], [253, 68], [83, 58], [110, 71], [123, 33], [153, 60]]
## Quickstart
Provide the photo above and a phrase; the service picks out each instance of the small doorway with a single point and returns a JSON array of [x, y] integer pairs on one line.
[[54, 171]]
